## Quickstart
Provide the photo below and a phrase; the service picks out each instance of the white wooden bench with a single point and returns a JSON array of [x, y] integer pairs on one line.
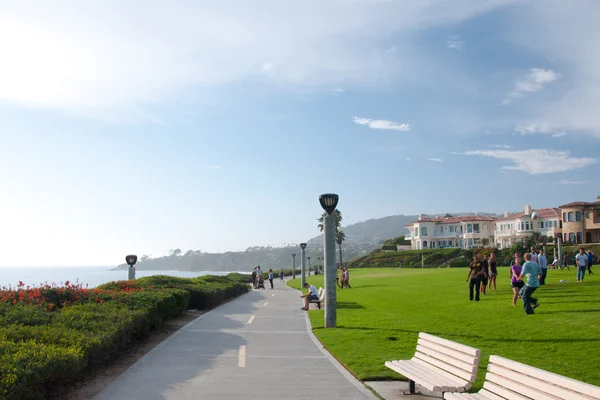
[[320, 300], [510, 380], [439, 365]]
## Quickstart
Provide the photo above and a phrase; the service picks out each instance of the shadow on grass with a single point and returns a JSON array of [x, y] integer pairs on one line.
[[350, 305], [591, 310]]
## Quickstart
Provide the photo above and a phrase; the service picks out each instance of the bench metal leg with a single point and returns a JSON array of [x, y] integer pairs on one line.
[[411, 387]]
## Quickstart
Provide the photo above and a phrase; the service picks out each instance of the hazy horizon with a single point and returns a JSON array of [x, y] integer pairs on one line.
[[215, 127]]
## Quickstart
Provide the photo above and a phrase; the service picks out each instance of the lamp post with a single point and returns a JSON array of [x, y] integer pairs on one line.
[[308, 258], [302, 264], [329, 201], [294, 266], [131, 260]]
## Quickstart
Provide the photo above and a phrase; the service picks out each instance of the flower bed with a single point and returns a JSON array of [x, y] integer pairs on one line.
[[50, 334]]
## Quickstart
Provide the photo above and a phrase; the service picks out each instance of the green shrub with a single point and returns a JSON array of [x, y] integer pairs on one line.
[[23, 314]]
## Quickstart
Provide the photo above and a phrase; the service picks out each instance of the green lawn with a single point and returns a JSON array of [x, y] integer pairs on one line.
[[380, 317]]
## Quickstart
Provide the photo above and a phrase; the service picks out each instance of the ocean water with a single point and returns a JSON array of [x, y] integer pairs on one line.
[[90, 276]]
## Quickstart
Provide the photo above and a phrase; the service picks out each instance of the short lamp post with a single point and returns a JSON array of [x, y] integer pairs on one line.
[[294, 266], [303, 264], [329, 202], [131, 260], [308, 259]]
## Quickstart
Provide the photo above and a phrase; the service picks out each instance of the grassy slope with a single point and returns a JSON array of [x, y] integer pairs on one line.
[[380, 317]]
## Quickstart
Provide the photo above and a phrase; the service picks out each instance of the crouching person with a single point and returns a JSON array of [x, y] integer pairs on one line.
[[313, 294]]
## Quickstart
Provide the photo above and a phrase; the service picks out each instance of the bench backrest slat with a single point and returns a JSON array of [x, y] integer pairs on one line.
[[443, 371], [448, 343], [519, 386], [544, 380], [461, 373], [504, 393], [434, 349]]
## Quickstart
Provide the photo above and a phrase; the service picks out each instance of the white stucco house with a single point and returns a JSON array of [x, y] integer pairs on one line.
[[514, 227], [462, 232]]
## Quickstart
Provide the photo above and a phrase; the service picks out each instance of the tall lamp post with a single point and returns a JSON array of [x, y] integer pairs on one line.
[[308, 258], [294, 266], [329, 202], [302, 264], [131, 260]]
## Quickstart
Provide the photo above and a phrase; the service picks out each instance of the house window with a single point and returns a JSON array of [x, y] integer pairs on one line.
[[587, 215], [424, 231], [449, 243], [470, 243], [476, 228], [579, 237], [578, 216], [424, 244], [555, 223], [451, 228], [572, 237], [566, 238], [564, 217], [571, 217], [416, 231], [469, 228]]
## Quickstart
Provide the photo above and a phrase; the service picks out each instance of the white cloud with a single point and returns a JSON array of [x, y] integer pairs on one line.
[[540, 127], [455, 42], [536, 161], [90, 58], [382, 124], [213, 166], [569, 182], [532, 82], [500, 146], [435, 159]]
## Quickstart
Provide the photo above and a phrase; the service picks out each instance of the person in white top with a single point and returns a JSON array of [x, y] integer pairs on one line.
[[313, 294], [581, 260], [534, 256]]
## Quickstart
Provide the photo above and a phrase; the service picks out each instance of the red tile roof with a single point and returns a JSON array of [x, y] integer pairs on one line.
[[576, 204], [542, 213], [454, 220]]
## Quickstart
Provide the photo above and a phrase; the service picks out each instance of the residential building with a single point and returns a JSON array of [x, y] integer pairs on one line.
[[513, 228], [462, 232], [581, 222]]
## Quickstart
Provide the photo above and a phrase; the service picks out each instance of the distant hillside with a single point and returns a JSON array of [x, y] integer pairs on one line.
[[373, 231]]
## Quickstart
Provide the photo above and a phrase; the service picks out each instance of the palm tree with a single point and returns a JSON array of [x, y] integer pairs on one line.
[[340, 236]]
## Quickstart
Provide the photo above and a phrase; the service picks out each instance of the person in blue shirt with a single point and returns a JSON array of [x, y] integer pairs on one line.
[[271, 277], [590, 262], [533, 273]]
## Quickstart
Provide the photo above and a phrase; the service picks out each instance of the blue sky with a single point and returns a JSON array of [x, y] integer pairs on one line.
[[216, 127]]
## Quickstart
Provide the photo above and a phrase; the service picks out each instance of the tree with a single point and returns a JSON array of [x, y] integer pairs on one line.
[[485, 242], [175, 253], [340, 236], [448, 215]]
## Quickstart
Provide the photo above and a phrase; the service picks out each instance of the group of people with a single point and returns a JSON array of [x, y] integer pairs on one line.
[[345, 280], [533, 266], [258, 278]]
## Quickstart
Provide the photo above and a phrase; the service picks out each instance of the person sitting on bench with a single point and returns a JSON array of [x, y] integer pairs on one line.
[[313, 294]]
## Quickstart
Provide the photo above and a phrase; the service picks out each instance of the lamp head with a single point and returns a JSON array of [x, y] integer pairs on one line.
[[302, 246], [131, 260], [329, 202], [294, 255]]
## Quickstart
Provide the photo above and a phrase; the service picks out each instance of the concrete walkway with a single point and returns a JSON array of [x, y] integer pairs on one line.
[[254, 347]]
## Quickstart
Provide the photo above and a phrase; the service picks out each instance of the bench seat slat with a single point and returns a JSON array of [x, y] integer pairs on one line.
[[453, 345], [519, 386], [489, 395], [503, 392], [543, 389], [433, 348], [457, 396], [467, 365], [437, 375], [426, 377], [557, 380], [443, 372], [469, 376]]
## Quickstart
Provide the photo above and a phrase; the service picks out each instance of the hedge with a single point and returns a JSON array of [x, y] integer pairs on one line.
[[50, 335]]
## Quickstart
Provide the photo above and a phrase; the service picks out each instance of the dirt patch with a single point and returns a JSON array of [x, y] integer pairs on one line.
[[98, 377]]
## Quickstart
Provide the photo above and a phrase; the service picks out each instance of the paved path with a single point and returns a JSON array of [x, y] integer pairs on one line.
[[254, 347]]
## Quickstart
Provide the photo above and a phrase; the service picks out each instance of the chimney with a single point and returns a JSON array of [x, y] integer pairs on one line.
[[528, 209], [420, 216], [506, 214]]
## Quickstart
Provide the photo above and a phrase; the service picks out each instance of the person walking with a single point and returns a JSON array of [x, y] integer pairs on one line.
[[534, 256], [590, 262], [543, 263], [476, 273], [271, 277], [515, 282], [281, 275], [581, 261], [254, 278], [486, 268], [533, 273], [348, 278], [493, 271], [565, 262]]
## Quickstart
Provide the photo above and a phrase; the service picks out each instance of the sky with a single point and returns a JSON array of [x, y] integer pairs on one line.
[[215, 126]]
